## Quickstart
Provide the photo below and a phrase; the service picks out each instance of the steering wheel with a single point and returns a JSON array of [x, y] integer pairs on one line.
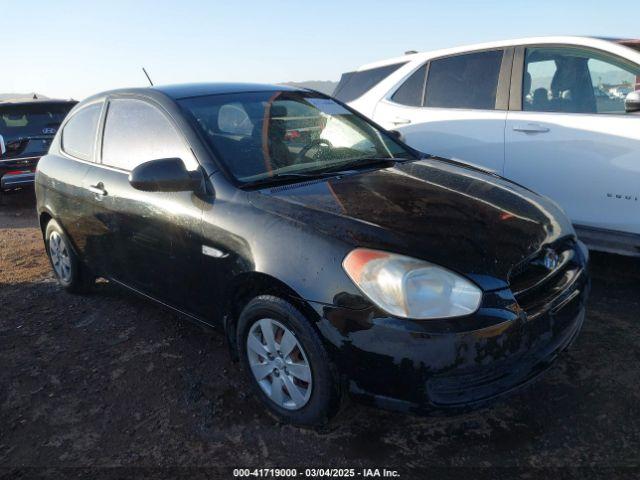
[[318, 142]]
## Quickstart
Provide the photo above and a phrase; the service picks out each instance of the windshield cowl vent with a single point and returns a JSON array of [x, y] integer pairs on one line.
[[282, 188]]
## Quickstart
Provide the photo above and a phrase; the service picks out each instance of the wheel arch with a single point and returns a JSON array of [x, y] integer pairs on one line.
[[44, 218], [249, 285]]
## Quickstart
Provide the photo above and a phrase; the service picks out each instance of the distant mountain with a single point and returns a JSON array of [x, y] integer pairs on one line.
[[20, 96], [324, 86]]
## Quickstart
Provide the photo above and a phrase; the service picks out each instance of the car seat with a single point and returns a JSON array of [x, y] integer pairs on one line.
[[540, 101], [278, 151], [571, 87]]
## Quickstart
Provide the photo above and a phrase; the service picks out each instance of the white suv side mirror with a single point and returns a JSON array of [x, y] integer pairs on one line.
[[3, 148]]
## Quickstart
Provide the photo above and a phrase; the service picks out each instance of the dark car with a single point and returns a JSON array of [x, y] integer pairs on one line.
[[26, 130], [344, 262]]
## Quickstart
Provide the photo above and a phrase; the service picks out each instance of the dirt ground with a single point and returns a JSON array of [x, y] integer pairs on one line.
[[111, 380]]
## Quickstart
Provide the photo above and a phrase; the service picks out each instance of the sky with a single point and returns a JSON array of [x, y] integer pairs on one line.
[[77, 48]]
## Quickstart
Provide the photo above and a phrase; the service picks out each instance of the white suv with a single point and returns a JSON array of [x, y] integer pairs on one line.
[[539, 111]]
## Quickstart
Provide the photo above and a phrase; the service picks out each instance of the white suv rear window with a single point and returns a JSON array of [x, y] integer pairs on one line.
[[354, 84]]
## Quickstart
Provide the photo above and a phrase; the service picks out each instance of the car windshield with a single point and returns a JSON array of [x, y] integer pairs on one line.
[[263, 135]]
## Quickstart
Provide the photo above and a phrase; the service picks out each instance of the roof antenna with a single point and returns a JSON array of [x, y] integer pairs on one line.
[[148, 77]]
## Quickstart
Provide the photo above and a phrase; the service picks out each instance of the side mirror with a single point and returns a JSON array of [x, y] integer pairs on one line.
[[165, 175], [632, 102], [3, 148]]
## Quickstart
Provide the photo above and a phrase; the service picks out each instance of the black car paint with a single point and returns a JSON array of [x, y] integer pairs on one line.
[[30, 147], [291, 240]]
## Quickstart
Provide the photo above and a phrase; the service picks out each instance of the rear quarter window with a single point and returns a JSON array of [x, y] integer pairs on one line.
[[353, 85], [412, 90], [79, 133]]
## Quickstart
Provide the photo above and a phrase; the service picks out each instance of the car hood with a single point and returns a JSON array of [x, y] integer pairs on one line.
[[460, 218]]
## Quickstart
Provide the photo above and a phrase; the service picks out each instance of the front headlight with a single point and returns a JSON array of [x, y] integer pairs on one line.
[[411, 288]]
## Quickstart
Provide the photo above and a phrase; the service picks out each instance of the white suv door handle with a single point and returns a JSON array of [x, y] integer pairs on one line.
[[400, 121], [530, 128]]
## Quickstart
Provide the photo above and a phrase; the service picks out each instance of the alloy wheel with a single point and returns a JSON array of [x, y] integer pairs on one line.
[[279, 364], [60, 259]]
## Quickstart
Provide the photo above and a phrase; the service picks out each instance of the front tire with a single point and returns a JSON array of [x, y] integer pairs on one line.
[[71, 274], [286, 363]]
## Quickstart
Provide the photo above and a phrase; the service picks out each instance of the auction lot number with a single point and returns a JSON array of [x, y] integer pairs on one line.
[[315, 473]]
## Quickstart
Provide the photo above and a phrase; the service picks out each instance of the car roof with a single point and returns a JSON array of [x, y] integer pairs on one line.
[[188, 90], [610, 44], [203, 89], [34, 101]]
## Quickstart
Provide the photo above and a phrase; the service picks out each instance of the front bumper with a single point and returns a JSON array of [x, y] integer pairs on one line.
[[426, 366]]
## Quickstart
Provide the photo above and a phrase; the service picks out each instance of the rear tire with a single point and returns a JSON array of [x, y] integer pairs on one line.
[[297, 363], [71, 274]]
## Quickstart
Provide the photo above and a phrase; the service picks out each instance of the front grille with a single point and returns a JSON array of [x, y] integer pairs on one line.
[[535, 285]]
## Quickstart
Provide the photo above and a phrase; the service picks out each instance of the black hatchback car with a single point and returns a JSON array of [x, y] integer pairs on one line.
[[333, 257]]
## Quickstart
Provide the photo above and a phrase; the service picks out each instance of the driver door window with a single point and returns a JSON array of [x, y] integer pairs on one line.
[[573, 80], [136, 132]]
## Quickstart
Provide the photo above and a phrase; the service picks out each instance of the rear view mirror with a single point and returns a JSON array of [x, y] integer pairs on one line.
[[3, 148], [165, 175], [632, 102]]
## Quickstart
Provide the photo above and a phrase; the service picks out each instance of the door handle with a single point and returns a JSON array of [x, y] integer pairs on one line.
[[400, 121], [98, 189], [530, 128]]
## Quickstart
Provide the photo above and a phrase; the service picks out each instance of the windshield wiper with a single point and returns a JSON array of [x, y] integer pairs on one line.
[[325, 172], [363, 162]]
